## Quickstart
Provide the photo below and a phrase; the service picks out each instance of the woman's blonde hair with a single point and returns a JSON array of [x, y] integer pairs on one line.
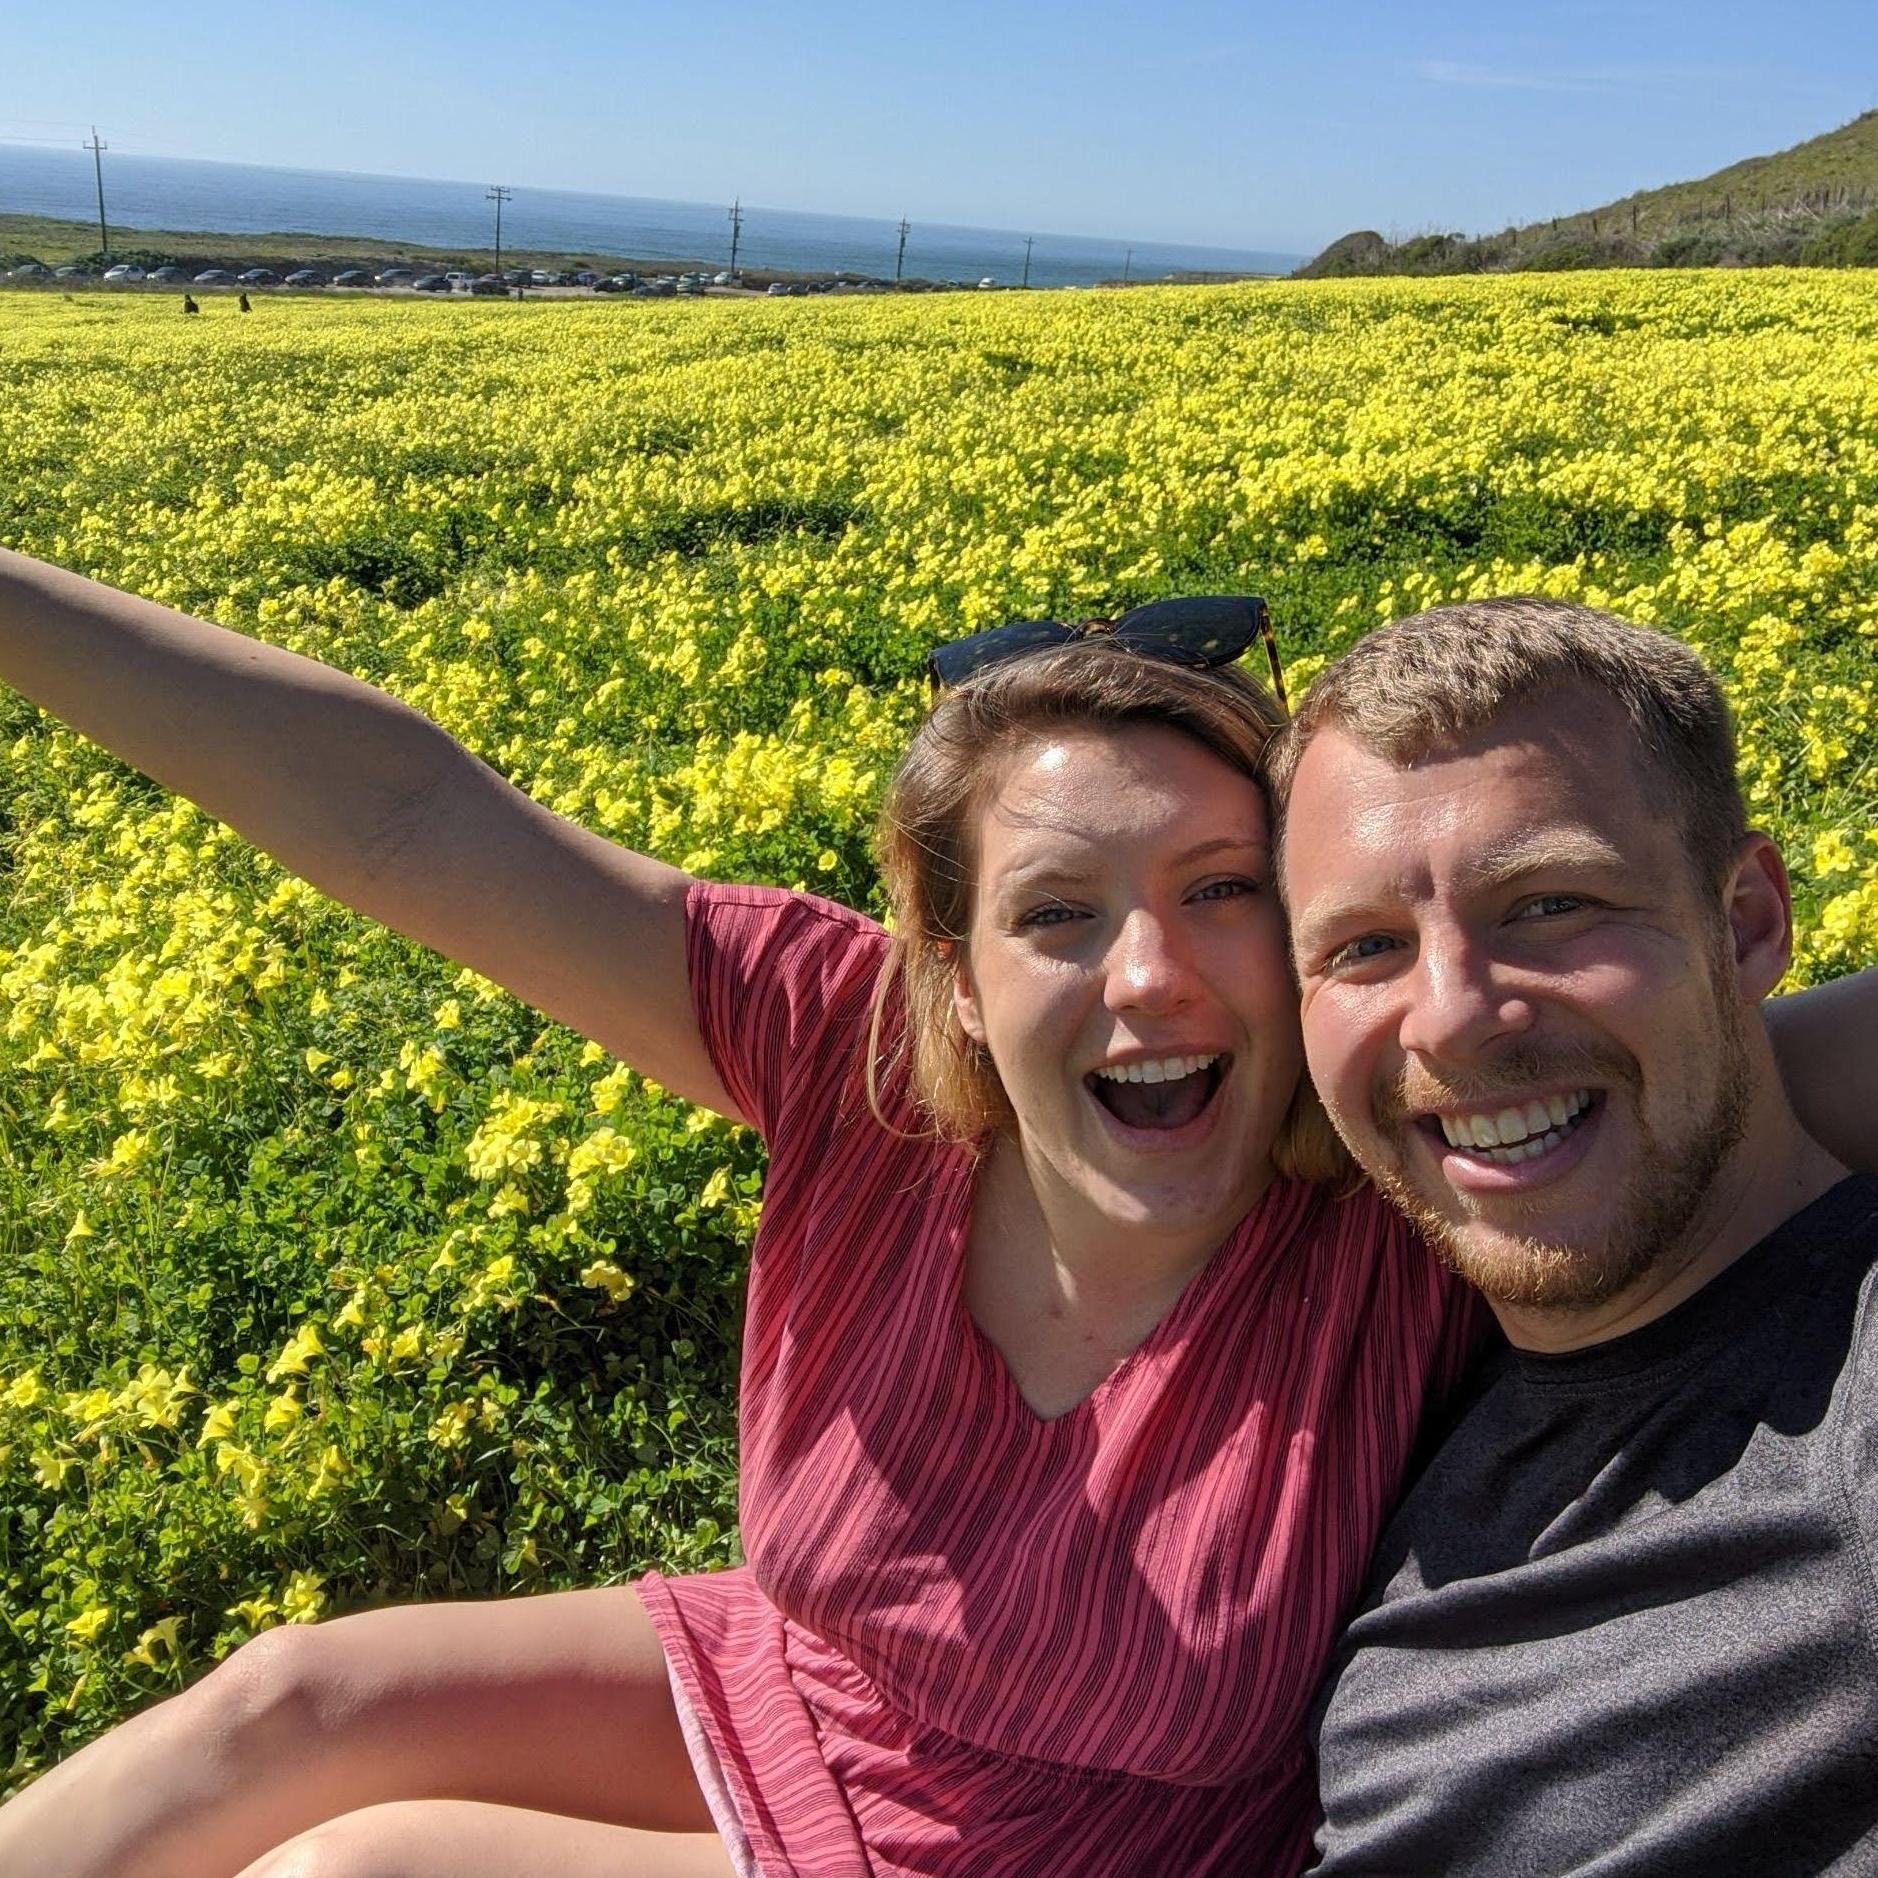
[[926, 841]]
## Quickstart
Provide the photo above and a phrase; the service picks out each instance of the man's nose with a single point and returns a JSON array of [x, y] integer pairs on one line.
[[1459, 1002], [1150, 967]]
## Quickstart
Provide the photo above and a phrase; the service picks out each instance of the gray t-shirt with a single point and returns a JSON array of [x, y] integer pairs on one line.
[[1626, 1621]]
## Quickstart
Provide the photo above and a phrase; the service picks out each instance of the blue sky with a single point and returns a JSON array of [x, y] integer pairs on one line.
[[1250, 126]]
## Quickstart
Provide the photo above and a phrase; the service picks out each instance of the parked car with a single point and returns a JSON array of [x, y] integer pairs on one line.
[[490, 286], [122, 272], [586, 278], [628, 280], [353, 277], [306, 277], [691, 284], [720, 280], [71, 271], [987, 282], [777, 289], [259, 277], [432, 283], [545, 277], [169, 271], [608, 286], [518, 277], [30, 270], [458, 277], [396, 276], [214, 277]]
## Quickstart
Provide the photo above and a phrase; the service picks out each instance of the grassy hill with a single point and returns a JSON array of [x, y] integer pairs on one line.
[[1815, 204]]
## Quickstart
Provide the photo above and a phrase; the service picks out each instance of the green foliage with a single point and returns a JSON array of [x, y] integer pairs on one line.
[[1851, 244]]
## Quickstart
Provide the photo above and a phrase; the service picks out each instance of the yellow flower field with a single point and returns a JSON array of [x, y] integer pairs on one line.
[[328, 1274]]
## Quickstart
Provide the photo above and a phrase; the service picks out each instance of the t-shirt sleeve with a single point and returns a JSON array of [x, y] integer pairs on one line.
[[1858, 1407], [781, 984]]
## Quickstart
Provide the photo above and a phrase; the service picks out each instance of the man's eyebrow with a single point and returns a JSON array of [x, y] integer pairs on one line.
[[1561, 851]]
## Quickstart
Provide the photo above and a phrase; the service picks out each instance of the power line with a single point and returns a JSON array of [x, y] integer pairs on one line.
[[97, 147], [1127, 265], [900, 259], [736, 233], [497, 194], [1030, 241]]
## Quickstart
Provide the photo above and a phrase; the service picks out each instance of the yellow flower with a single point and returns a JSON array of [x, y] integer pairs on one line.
[[303, 1598], [608, 1277], [90, 1621], [301, 1348]]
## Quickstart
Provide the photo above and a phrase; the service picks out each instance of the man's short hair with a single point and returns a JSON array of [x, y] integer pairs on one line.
[[1434, 679]]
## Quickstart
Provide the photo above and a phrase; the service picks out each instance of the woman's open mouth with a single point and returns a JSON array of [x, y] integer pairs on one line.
[[1162, 1094]]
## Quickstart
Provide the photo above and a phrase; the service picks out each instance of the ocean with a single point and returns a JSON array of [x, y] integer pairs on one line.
[[240, 198]]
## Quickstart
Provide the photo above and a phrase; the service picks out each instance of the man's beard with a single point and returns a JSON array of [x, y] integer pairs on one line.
[[1657, 1214]]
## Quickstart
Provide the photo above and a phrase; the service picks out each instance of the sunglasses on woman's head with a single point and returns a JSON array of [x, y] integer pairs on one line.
[[1204, 631]]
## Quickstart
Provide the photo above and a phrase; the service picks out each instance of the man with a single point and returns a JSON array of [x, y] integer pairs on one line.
[[1626, 1620]]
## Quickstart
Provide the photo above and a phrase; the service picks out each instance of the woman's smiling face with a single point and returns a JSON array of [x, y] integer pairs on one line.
[[1126, 969]]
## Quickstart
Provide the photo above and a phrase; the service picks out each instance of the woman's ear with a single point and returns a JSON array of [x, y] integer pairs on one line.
[[1758, 905], [965, 995]]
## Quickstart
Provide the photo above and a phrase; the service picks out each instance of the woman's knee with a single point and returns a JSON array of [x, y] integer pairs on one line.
[[361, 1844]]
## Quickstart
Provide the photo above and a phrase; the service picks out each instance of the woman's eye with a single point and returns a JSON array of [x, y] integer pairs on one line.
[[1051, 915], [1230, 889]]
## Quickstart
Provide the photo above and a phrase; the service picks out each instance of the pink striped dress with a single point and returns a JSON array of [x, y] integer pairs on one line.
[[969, 1642]]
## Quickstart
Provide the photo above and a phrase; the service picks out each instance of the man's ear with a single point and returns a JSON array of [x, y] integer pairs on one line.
[[965, 996], [1758, 906]]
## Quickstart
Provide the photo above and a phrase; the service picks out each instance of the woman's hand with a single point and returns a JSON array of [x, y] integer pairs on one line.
[[372, 803]]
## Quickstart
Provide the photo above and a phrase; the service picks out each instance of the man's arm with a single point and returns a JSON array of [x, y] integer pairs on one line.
[[372, 803], [1826, 1040]]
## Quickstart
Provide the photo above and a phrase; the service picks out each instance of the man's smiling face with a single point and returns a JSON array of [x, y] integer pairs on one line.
[[1521, 1007]]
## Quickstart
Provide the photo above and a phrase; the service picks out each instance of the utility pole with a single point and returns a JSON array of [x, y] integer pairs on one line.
[[736, 233], [899, 260], [1127, 265], [97, 149], [1029, 242], [498, 195]]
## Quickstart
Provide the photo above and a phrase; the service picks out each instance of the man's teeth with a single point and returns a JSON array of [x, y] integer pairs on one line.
[[1517, 1134], [1163, 1069]]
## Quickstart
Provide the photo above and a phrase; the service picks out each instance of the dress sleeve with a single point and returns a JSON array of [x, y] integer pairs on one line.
[[781, 984]]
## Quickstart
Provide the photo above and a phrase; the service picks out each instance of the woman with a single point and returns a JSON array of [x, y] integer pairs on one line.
[[1071, 1402]]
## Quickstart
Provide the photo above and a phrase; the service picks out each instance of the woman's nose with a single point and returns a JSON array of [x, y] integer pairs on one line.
[[1149, 966]]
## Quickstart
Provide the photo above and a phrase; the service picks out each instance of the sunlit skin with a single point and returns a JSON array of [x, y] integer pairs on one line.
[[1516, 918], [1124, 912]]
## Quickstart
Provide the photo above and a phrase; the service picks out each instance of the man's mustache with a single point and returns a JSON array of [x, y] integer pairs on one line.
[[1415, 1089]]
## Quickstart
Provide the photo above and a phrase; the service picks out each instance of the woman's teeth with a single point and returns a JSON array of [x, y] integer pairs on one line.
[[1517, 1134], [1164, 1069]]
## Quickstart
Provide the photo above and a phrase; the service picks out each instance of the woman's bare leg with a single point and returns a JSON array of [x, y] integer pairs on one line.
[[555, 1704], [462, 1839]]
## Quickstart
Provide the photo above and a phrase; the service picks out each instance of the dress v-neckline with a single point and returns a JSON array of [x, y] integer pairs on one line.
[[991, 1359]]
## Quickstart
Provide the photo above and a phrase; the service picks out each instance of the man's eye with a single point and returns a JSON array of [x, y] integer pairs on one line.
[[1550, 905], [1372, 945]]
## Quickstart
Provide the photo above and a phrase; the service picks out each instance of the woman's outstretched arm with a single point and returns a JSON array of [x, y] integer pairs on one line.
[[372, 803], [1826, 1040]]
